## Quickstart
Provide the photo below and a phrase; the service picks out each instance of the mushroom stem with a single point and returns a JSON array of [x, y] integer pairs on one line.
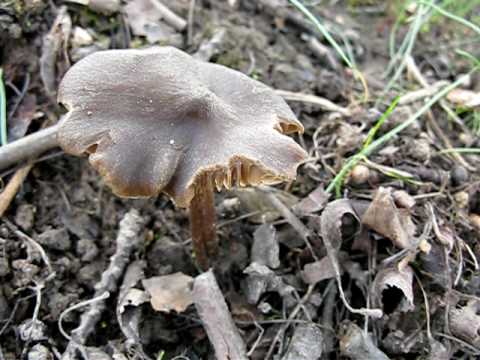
[[202, 222]]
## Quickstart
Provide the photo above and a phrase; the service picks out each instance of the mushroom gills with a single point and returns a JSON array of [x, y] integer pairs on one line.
[[241, 173]]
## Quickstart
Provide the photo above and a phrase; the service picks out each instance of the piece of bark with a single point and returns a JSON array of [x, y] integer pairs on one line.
[[217, 320]]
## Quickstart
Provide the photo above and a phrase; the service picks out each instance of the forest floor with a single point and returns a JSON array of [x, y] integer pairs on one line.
[[389, 97]]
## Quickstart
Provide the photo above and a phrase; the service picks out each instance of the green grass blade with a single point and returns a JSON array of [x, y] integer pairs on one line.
[[383, 118], [451, 16], [324, 32], [338, 180], [3, 111]]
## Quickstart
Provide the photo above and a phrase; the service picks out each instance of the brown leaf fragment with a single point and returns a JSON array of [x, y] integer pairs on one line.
[[389, 221], [317, 271], [465, 323], [265, 249], [217, 320], [261, 279], [306, 343], [356, 345], [315, 201], [170, 292], [55, 44], [331, 220], [388, 283]]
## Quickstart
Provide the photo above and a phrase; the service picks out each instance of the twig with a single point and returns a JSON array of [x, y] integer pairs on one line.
[[427, 91], [313, 99], [29, 146], [170, 17], [8, 194], [217, 321], [292, 315], [191, 14], [127, 241]]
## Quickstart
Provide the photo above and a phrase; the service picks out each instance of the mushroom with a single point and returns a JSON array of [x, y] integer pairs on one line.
[[159, 121]]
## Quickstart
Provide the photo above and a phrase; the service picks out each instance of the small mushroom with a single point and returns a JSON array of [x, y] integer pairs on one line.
[[159, 121]]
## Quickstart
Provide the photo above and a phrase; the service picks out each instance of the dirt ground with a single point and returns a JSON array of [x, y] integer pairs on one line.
[[403, 227]]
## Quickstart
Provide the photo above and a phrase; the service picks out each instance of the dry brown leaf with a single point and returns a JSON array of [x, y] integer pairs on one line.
[[465, 323], [315, 201], [331, 220], [399, 277], [317, 271], [389, 221], [170, 292]]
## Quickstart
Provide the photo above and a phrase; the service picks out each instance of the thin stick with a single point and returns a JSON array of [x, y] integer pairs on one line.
[[170, 17], [202, 222], [128, 239], [8, 194], [323, 103], [29, 146]]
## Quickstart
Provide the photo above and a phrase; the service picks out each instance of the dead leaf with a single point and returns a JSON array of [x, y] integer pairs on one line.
[[389, 221], [465, 323], [315, 201], [265, 249], [464, 98], [317, 271], [256, 201], [55, 44], [170, 292], [331, 220], [398, 278]]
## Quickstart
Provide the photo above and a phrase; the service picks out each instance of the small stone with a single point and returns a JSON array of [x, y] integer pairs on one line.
[[462, 199], [56, 239], [31, 330], [40, 352], [403, 199], [420, 150], [475, 221], [459, 175], [360, 174]]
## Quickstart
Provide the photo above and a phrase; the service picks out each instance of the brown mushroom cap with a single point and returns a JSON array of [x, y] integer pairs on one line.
[[155, 120]]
